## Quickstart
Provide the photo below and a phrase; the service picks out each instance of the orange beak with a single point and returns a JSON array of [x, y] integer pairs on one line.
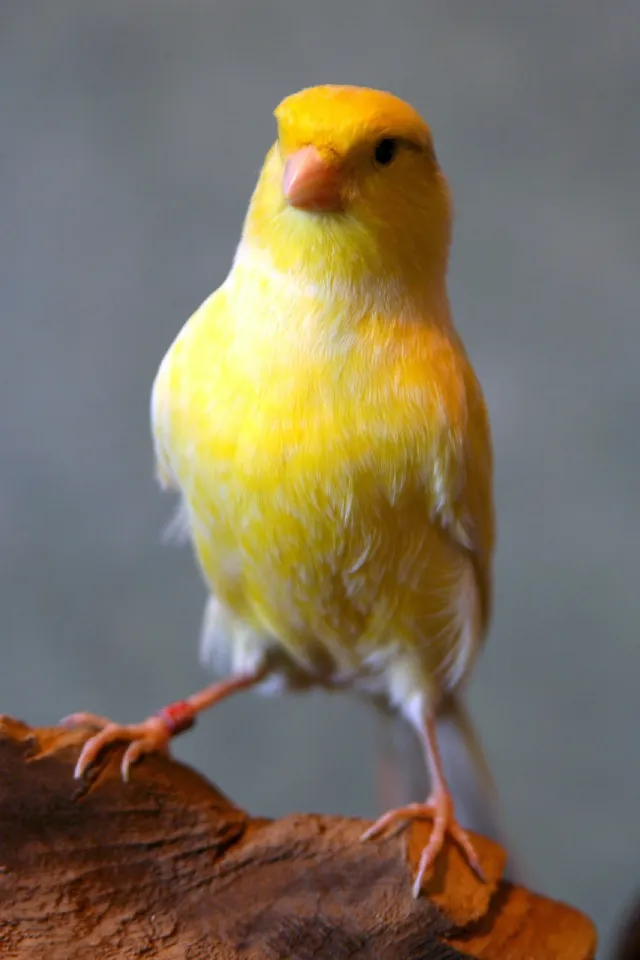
[[310, 182]]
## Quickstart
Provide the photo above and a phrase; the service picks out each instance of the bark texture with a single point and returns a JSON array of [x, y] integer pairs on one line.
[[167, 867]]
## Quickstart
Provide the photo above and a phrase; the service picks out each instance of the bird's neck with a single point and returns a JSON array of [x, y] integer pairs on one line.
[[328, 303], [341, 259], [343, 282]]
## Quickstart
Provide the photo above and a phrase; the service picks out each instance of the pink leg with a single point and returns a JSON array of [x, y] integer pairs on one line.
[[154, 733], [438, 807]]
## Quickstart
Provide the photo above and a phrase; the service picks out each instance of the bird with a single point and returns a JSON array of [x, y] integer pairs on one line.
[[330, 444]]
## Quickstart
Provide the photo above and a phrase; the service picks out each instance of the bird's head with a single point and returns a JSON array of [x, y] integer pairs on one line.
[[352, 191]]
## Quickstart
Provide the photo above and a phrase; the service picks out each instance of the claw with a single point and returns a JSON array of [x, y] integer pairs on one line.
[[413, 811], [84, 719], [138, 748], [149, 736], [154, 733], [438, 808]]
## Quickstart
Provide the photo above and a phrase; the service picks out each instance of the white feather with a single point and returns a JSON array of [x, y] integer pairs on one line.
[[177, 530]]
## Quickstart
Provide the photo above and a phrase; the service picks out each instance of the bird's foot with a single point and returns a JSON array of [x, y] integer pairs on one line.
[[150, 736], [439, 808]]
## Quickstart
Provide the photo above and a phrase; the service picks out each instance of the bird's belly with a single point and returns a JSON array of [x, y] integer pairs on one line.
[[314, 500], [331, 567]]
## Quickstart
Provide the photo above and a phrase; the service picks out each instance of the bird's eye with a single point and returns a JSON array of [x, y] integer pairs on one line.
[[385, 151]]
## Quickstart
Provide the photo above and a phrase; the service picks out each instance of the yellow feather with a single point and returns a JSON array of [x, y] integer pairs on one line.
[[325, 428]]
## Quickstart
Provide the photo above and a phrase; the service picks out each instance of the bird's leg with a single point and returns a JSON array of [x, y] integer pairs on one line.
[[438, 807], [154, 733]]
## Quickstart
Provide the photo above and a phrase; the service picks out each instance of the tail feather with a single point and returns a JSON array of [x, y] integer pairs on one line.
[[467, 770]]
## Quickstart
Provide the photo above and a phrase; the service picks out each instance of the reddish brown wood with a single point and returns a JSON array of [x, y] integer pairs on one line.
[[167, 867]]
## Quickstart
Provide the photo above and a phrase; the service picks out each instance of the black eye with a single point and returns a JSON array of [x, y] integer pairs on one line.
[[385, 151]]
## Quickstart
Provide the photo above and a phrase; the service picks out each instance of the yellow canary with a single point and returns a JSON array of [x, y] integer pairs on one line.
[[329, 439]]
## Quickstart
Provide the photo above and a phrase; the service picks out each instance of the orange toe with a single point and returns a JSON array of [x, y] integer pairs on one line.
[[149, 736], [413, 811], [438, 808], [85, 719]]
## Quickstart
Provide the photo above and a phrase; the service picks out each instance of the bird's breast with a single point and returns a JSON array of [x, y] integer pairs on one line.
[[311, 484]]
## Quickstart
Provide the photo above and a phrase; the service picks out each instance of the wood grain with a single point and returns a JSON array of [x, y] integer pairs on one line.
[[167, 867]]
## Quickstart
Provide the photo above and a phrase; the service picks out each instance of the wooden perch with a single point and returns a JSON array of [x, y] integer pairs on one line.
[[167, 867]]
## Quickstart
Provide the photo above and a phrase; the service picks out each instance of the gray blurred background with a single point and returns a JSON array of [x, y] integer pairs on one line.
[[131, 135]]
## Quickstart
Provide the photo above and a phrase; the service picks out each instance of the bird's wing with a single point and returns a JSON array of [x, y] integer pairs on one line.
[[165, 404], [171, 384], [467, 511], [160, 415], [477, 491]]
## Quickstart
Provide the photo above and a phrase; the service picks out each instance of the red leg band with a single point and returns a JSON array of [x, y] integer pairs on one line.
[[178, 716]]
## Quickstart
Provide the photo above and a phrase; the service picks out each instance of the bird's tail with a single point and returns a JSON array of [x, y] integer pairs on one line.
[[403, 776]]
